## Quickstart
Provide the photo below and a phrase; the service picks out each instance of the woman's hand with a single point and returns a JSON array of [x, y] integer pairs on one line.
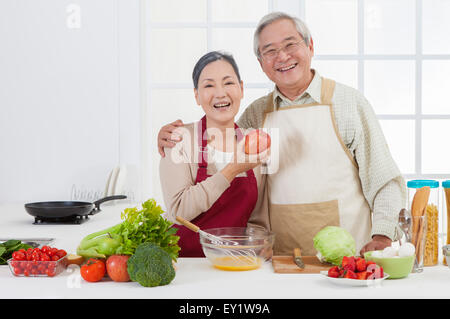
[[167, 137], [243, 162]]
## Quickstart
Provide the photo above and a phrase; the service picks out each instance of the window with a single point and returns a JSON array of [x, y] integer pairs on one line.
[[177, 34], [394, 52]]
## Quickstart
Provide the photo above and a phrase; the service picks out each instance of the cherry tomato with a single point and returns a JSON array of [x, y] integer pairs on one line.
[[18, 270], [50, 251], [45, 257], [51, 266], [36, 256], [61, 253], [93, 270], [50, 272], [42, 268], [19, 255], [28, 267], [29, 253]]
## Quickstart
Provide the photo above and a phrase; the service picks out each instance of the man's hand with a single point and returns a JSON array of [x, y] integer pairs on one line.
[[167, 137], [379, 242]]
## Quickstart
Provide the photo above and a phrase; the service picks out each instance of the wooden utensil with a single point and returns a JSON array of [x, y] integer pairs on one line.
[[215, 239], [418, 210]]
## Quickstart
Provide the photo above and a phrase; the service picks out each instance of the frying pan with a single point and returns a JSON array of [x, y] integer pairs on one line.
[[65, 209]]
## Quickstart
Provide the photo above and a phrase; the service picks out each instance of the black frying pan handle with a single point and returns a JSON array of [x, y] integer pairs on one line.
[[105, 199]]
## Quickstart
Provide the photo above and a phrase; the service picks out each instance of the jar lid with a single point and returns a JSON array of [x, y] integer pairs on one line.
[[446, 184], [418, 183]]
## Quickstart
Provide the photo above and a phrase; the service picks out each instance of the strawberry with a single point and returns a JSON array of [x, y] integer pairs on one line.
[[370, 263], [350, 274], [360, 264], [375, 272], [333, 272], [348, 263], [363, 275]]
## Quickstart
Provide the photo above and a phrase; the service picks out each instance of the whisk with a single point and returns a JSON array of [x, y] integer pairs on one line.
[[233, 249]]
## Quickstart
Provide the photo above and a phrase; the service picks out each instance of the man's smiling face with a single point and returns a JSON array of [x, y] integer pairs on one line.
[[287, 70]]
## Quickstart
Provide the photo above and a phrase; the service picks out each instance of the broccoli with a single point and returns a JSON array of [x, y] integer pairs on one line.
[[151, 266]]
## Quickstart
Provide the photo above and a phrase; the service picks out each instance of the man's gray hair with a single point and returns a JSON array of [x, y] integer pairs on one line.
[[275, 16]]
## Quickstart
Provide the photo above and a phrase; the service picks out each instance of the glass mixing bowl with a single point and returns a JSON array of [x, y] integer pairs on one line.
[[240, 248]]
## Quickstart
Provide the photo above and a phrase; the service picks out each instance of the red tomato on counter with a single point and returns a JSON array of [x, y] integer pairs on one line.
[[93, 270], [256, 142]]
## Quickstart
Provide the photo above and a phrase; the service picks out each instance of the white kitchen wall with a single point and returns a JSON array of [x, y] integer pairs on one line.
[[69, 96]]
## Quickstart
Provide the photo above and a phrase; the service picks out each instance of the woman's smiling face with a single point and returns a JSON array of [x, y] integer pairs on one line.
[[219, 93]]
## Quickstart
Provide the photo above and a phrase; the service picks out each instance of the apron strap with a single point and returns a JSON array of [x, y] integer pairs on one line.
[[326, 94], [202, 144]]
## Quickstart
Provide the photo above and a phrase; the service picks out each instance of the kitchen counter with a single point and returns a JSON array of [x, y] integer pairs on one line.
[[195, 278]]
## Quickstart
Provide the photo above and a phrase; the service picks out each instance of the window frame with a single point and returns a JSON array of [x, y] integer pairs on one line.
[[418, 57], [298, 8]]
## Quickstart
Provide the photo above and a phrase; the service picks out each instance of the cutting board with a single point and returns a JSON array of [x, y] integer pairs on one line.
[[286, 265]]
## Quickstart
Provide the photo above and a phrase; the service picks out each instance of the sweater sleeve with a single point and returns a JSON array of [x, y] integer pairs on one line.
[[381, 180], [253, 116]]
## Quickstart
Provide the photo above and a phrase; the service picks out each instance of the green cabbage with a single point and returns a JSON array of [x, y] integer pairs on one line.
[[333, 243]]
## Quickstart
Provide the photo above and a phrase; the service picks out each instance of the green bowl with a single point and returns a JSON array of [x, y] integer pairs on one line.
[[396, 267]]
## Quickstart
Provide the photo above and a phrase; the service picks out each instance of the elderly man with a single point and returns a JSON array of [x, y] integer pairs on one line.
[[334, 166]]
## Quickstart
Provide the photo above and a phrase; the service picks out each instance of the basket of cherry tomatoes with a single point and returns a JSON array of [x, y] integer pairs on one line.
[[38, 262]]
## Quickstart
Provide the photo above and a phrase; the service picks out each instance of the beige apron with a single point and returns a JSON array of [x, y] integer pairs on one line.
[[317, 182]]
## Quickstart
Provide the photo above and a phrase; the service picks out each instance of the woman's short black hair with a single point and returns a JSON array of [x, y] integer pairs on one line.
[[212, 57]]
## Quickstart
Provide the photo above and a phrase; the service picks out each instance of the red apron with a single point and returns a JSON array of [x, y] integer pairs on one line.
[[232, 209]]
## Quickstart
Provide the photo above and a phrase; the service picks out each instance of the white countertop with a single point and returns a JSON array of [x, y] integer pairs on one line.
[[195, 277]]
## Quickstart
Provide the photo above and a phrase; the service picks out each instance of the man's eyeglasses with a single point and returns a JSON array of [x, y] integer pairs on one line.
[[289, 48]]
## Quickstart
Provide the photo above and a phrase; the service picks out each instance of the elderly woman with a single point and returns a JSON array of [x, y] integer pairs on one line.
[[201, 178]]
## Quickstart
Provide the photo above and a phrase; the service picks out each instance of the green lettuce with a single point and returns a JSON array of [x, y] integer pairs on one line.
[[333, 243], [139, 225]]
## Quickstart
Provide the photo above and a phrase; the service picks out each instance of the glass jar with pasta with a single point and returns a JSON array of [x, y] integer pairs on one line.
[[431, 247], [446, 214]]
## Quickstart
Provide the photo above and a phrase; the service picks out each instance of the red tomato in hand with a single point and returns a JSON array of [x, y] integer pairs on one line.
[[256, 142], [93, 270], [116, 267]]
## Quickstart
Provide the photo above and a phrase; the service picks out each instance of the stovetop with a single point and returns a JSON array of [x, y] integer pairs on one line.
[[71, 220]]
